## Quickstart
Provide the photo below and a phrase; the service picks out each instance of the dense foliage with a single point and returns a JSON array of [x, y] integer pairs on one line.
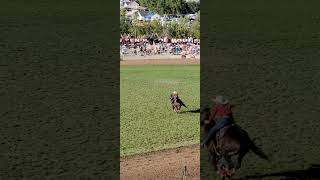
[[179, 29], [171, 6], [195, 28]]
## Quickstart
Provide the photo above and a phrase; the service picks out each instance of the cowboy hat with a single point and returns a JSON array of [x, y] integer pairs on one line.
[[220, 100]]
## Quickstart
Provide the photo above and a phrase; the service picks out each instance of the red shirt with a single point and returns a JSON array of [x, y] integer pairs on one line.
[[221, 110]]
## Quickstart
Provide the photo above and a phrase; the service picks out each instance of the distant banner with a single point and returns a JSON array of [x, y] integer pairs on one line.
[[165, 40]]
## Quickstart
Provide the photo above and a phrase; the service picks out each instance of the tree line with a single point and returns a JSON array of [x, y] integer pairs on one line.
[[171, 6], [180, 29]]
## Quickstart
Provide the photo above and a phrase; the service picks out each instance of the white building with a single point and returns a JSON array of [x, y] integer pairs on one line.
[[155, 16], [124, 3], [131, 5], [144, 15]]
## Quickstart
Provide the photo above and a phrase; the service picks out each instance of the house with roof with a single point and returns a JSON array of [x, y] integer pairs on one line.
[[144, 15], [155, 16], [191, 16], [131, 14], [130, 5], [124, 2]]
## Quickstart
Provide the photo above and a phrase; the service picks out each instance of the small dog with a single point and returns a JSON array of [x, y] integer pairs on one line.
[[176, 102]]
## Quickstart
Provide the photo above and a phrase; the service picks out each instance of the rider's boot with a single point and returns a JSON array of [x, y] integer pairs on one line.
[[204, 143]]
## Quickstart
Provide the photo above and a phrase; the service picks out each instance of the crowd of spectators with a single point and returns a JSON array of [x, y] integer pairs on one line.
[[149, 47]]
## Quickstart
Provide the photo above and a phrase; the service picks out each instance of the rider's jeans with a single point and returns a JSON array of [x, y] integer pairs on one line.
[[220, 123]]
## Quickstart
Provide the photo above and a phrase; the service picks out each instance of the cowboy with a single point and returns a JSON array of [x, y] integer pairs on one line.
[[175, 94], [221, 113]]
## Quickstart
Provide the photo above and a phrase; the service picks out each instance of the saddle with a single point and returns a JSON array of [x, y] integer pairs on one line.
[[223, 131], [219, 135]]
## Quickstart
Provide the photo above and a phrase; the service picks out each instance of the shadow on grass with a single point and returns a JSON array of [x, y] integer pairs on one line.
[[312, 173], [190, 111]]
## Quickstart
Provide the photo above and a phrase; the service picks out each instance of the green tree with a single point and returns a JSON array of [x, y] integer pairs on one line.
[[134, 29], [171, 6], [195, 28], [125, 25], [140, 28], [122, 12], [166, 30], [179, 29], [172, 29], [190, 7], [156, 28], [183, 29]]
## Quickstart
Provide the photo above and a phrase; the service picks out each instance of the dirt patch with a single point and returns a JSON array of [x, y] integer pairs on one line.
[[160, 61], [167, 164]]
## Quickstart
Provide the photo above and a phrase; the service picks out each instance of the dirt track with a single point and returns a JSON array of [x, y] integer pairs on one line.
[[161, 61], [166, 165]]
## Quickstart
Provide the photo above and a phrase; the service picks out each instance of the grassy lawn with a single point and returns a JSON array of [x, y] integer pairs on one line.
[[147, 121]]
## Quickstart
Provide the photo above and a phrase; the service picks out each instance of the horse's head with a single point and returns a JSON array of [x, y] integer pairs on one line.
[[174, 100], [175, 103], [226, 167]]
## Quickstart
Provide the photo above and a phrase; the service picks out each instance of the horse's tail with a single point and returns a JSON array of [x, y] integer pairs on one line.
[[182, 104], [255, 149]]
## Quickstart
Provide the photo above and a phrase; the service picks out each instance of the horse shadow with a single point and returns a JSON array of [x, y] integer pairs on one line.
[[312, 173], [190, 111]]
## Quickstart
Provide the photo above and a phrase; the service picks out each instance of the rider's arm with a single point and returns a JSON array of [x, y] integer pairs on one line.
[[213, 113]]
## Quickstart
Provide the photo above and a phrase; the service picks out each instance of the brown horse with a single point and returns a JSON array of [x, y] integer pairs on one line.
[[176, 103], [227, 150]]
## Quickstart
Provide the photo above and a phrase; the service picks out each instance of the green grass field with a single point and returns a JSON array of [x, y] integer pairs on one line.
[[147, 120]]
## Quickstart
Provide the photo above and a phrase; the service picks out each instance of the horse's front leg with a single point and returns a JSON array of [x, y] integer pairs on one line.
[[174, 108], [210, 157], [179, 107], [214, 161], [239, 160], [224, 178]]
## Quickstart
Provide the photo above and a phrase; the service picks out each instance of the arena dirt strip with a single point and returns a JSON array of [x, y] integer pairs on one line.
[[160, 61], [167, 164]]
